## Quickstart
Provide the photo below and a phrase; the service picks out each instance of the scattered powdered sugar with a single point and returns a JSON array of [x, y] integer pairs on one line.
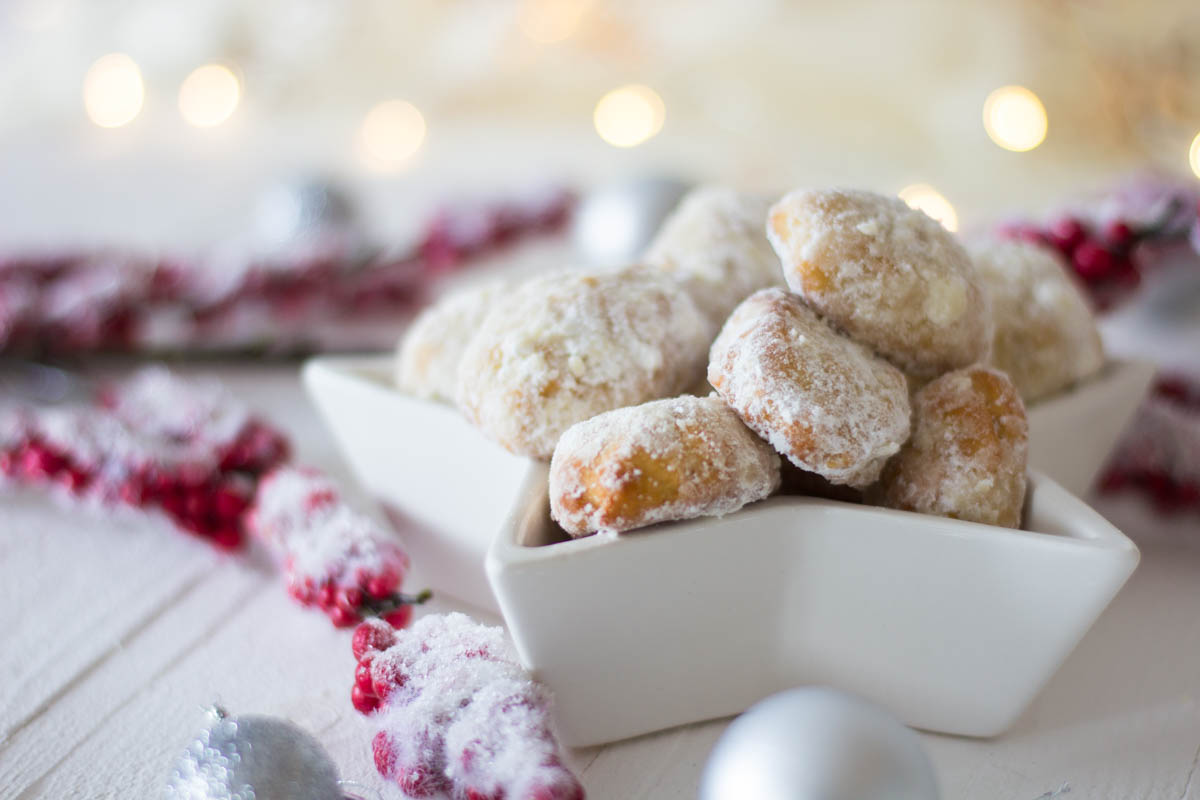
[[886, 274], [564, 347], [1046, 338], [671, 459], [967, 455], [826, 402], [428, 356], [715, 245], [461, 715]]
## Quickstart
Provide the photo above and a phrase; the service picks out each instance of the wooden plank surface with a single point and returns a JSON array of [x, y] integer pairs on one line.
[[119, 631]]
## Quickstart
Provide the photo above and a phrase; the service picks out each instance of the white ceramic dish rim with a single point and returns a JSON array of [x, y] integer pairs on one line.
[[507, 549]]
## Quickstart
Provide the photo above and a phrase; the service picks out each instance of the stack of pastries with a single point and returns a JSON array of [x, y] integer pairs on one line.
[[857, 350]]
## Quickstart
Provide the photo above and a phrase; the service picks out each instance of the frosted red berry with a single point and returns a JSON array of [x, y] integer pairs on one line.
[[371, 636], [363, 701], [399, 617]]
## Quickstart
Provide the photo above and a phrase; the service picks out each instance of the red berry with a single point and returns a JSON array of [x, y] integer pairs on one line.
[[383, 584], [350, 599], [477, 794], [370, 637], [1118, 234], [1067, 234], [327, 596], [1092, 261], [384, 753], [228, 503], [417, 782], [73, 480], [38, 461], [386, 678], [228, 538], [362, 675], [343, 617], [564, 786], [1172, 388], [195, 503], [131, 491], [399, 617], [363, 702]]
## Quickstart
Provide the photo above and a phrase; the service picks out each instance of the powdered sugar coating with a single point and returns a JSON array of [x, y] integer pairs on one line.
[[714, 245], [288, 500], [1046, 338], [967, 455], [428, 356], [564, 347], [679, 458], [886, 274], [321, 540], [826, 402], [463, 715]]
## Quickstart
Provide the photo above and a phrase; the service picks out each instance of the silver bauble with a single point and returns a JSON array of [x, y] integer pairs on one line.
[[818, 744], [253, 758], [301, 210], [613, 224]]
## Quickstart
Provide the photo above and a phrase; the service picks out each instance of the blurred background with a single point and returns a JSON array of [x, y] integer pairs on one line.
[[142, 123]]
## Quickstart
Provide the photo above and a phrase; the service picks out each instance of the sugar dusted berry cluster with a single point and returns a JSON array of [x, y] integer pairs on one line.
[[333, 557], [1160, 452], [1107, 250], [332, 294], [153, 441], [456, 712]]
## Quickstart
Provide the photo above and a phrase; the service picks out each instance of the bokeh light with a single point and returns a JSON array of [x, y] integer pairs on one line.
[[924, 197], [1194, 155], [1015, 118], [550, 21], [630, 115], [209, 95], [392, 132], [113, 91]]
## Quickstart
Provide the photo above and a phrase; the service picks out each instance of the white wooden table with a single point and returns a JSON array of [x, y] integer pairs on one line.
[[118, 631]]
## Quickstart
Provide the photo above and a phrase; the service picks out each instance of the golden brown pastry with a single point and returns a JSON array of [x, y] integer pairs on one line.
[[1046, 337], [966, 458], [886, 275], [827, 403], [665, 460]]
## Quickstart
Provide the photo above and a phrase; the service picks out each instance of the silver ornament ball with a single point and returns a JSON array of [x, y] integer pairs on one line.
[[300, 210], [818, 744], [612, 225], [253, 758]]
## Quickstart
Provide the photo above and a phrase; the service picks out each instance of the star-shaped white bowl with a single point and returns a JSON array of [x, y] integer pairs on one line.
[[952, 625]]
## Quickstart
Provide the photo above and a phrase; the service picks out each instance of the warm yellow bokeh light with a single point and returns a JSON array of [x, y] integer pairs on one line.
[[1194, 155], [392, 132], [630, 115], [550, 21], [113, 91], [924, 197], [1014, 118], [209, 95]]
